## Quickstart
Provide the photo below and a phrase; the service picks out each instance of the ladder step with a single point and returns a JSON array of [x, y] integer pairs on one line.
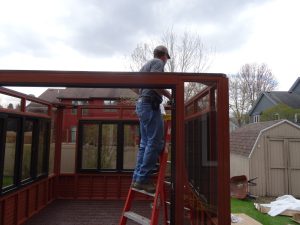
[[137, 218], [185, 208], [167, 182], [168, 162], [144, 192]]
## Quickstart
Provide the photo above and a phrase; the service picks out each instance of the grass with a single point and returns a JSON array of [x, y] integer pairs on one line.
[[7, 180], [247, 207]]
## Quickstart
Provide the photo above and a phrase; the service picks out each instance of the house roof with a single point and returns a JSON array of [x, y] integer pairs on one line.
[[290, 99], [53, 95], [294, 85], [242, 140]]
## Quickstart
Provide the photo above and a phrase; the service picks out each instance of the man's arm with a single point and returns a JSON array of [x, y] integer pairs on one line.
[[164, 92], [158, 66]]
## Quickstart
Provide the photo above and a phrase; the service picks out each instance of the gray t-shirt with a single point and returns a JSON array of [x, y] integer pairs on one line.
[[153, 65]]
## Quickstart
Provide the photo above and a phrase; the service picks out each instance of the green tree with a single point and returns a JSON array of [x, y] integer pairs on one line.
[[10, 106], [280, 111]]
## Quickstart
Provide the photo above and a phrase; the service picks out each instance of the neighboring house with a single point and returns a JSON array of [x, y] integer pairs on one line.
[[83, 96], [269, 151], [270, 99]]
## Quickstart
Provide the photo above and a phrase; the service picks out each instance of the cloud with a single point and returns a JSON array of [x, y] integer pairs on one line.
[[96, 34], [100, 28], [97, 28], [224, 24], [18, 39]]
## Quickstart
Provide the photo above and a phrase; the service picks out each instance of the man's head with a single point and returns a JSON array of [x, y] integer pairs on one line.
[[161, 52]]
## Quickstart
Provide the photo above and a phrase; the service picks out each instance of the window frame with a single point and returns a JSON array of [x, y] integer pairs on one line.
[[276, 116], [18, 182], [33, 151], [296, 118], [256, 118], [46, 147], [76, 103], [108, 103], [120, 142], [73, 131], [2, 146]]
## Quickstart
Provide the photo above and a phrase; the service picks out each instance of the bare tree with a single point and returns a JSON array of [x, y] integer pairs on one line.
[[238, 100], [139, 56], [188, 54], [258, 78], [245, 88]]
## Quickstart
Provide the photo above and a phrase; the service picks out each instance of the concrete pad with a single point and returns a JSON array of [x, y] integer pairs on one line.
[[245, 220]]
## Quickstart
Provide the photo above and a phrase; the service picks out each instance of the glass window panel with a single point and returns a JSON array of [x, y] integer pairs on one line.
[[52, 146], [202, 150], [202, 103], [9, 102], [78, 102], [131, 142], [90, 146], [10, 152], [73, 134], [42, 148], [108, 103], [36, 107], [109, 146], [27, 149]]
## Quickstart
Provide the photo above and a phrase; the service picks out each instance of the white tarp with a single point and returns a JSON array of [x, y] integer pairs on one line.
[[282, 203]]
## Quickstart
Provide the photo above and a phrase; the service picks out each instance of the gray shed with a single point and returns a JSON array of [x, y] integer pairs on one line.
[[270, 151]]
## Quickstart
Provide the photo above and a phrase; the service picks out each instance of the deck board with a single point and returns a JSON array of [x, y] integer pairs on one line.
[[86, 212]]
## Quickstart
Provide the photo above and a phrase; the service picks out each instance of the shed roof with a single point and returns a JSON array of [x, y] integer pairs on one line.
[[242, 140]]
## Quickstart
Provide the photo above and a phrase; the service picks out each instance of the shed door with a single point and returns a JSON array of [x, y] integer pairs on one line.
[[284, 167], [294, 167], [277, 168]]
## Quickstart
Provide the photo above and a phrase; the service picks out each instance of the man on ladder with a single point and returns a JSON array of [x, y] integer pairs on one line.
[[151, 146], [151, 124]]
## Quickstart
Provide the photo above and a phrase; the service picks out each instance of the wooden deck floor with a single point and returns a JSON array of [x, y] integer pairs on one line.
[[83, 212]]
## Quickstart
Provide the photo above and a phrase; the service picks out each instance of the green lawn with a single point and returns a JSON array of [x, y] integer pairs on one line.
[[247, 207], [7, 181]]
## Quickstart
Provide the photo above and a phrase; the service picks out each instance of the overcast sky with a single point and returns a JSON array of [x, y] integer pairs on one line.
[[98, 35]]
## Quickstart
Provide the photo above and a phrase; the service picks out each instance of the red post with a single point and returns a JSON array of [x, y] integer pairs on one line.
[[223, 153], [58, 141], [179, 154], [23, 104]]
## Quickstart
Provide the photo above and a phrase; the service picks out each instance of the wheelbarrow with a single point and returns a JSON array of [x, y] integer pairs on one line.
[[239, 187]]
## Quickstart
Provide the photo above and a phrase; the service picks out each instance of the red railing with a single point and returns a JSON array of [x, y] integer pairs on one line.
[[22, 204], [23, 98]]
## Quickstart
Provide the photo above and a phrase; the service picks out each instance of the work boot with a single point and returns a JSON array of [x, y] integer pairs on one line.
[[145, 186]]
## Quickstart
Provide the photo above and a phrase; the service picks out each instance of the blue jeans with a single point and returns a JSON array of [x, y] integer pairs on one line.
[[151, 144]]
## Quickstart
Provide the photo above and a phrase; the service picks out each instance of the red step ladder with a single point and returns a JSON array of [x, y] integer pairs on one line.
[[159, 196]]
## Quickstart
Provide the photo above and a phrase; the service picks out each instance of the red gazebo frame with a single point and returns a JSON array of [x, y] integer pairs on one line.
[[174, 81]]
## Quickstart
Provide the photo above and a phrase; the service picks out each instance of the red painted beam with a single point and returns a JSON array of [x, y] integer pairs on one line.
[[223, 153]]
